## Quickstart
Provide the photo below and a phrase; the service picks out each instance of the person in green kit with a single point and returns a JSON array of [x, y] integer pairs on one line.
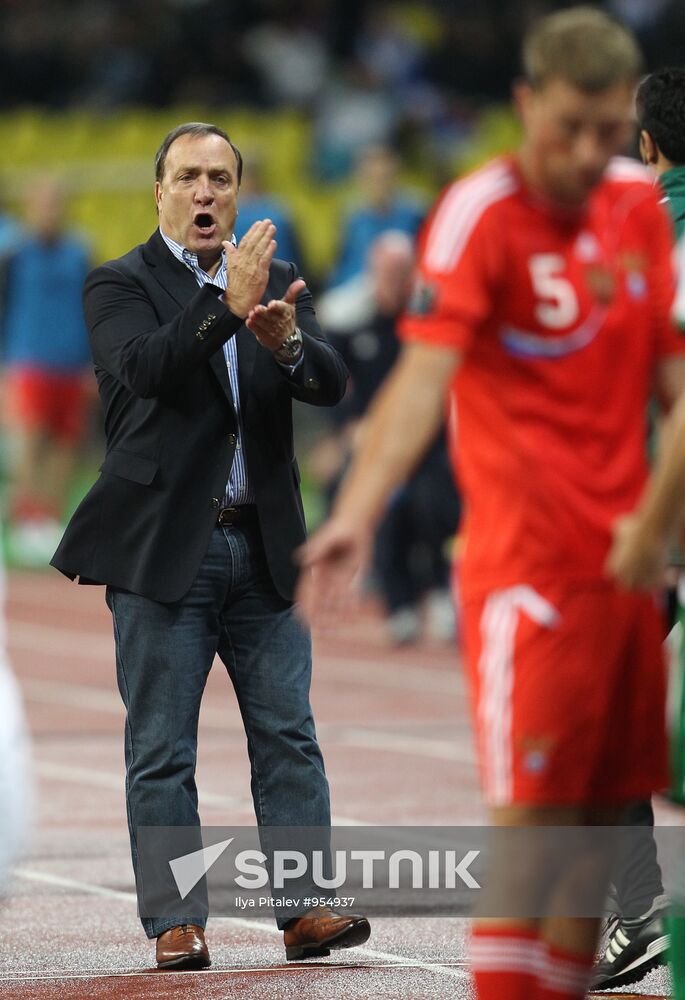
[[660, 104], [642, 540]]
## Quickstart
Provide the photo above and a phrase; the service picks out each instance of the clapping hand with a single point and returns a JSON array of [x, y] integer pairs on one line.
[[247, 267], [273, 323]]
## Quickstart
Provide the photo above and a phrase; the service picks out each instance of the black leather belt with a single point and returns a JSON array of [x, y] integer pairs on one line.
[[236, 515]]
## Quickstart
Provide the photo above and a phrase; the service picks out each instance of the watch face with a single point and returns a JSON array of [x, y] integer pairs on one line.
[[294, 343], [291, 347]]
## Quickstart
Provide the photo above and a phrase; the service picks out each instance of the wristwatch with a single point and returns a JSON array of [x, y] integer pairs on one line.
[[290, 349]]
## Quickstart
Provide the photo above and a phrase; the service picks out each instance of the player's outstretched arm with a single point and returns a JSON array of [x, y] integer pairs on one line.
[[403, 420], [638, 554]]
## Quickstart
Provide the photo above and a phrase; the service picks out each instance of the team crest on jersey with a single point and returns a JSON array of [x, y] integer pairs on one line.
[[633, 260], [535, 755], [535, 761], [636, 284], [422, 299], [635, 266], [601, 282]]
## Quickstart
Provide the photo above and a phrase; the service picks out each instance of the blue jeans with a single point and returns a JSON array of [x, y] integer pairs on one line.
[[164, 653]]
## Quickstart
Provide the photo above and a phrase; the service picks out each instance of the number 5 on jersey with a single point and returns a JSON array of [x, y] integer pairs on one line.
[[559, 308]]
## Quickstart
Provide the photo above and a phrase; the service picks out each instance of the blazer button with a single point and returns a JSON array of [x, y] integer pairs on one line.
[[312, 383], [216, 503], [232, 439], [200, 335]]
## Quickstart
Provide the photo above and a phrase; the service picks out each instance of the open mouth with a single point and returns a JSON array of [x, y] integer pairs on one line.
[[205, 223]]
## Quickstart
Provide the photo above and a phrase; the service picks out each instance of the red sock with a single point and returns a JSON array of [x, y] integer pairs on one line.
[[565, 974], [506, 962]]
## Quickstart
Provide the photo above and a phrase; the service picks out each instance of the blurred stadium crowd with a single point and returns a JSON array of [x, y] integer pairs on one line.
[[350, 116], [269, 53], [408, 72]]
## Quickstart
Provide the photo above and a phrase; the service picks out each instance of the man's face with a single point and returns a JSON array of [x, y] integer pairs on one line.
[[45, 209], [571, 135], [197, 196], [392, 269], [377, 176]]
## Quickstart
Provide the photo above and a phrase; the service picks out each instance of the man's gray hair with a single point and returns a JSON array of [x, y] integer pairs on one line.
[[192, 128]]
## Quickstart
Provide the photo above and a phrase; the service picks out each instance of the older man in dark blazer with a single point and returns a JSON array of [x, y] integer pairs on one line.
[[200, 346]]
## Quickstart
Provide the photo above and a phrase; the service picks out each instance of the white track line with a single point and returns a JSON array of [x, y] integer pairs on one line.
[[113, 780], [110, 779], [80, 644], [73, 643], [91, 698], [386, 673], [402, 742], [400, 961], [91, 888], [99, 778], [260, 971]]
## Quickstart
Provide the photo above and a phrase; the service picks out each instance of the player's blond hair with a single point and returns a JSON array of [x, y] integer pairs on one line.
[[582, 46]]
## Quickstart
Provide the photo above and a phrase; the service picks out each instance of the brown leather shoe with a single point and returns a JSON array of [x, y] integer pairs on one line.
[[320, 929], [182, 947]]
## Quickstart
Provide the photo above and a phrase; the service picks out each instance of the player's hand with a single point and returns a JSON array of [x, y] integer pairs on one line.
[[247, 267], [636, 559], [273, 323], [331, 563]]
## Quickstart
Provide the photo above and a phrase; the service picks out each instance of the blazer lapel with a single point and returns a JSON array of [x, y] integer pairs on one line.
[[179, 282], [174, 277]]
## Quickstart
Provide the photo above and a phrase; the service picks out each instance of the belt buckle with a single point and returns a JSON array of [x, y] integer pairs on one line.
[[228, 515]]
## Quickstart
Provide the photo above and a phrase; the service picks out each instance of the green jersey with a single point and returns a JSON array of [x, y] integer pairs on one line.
[[673, 185]]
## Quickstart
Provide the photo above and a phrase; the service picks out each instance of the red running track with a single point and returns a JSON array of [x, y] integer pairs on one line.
[[394, 731]]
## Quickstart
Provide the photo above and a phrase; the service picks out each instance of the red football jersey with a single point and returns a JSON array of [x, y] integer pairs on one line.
[[562, 317]]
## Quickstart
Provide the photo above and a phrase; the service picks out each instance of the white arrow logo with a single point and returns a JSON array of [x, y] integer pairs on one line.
[[189, 868]]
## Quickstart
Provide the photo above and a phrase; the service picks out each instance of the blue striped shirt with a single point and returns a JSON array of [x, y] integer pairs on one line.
[[238, 488]]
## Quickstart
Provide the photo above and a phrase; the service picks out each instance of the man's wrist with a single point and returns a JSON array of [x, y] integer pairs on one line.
[[290, 351], [233, 307], [650, 532]]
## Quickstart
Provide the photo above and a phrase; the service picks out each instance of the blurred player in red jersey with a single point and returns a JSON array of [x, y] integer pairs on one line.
[[541, 310]]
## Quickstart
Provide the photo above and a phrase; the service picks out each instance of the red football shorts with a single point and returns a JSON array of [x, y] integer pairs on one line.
[[47, 401], [568, 694]]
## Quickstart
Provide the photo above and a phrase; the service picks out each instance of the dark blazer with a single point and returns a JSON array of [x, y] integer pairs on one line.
[[170, 424]]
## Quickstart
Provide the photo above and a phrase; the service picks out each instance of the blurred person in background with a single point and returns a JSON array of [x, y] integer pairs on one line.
[[10, 234], [636, 945], [380, 205], [256, 202], [542, 312], [411, 565], [288, 48], [645, 542], [16, 784], [47, 375], [474, 59]]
